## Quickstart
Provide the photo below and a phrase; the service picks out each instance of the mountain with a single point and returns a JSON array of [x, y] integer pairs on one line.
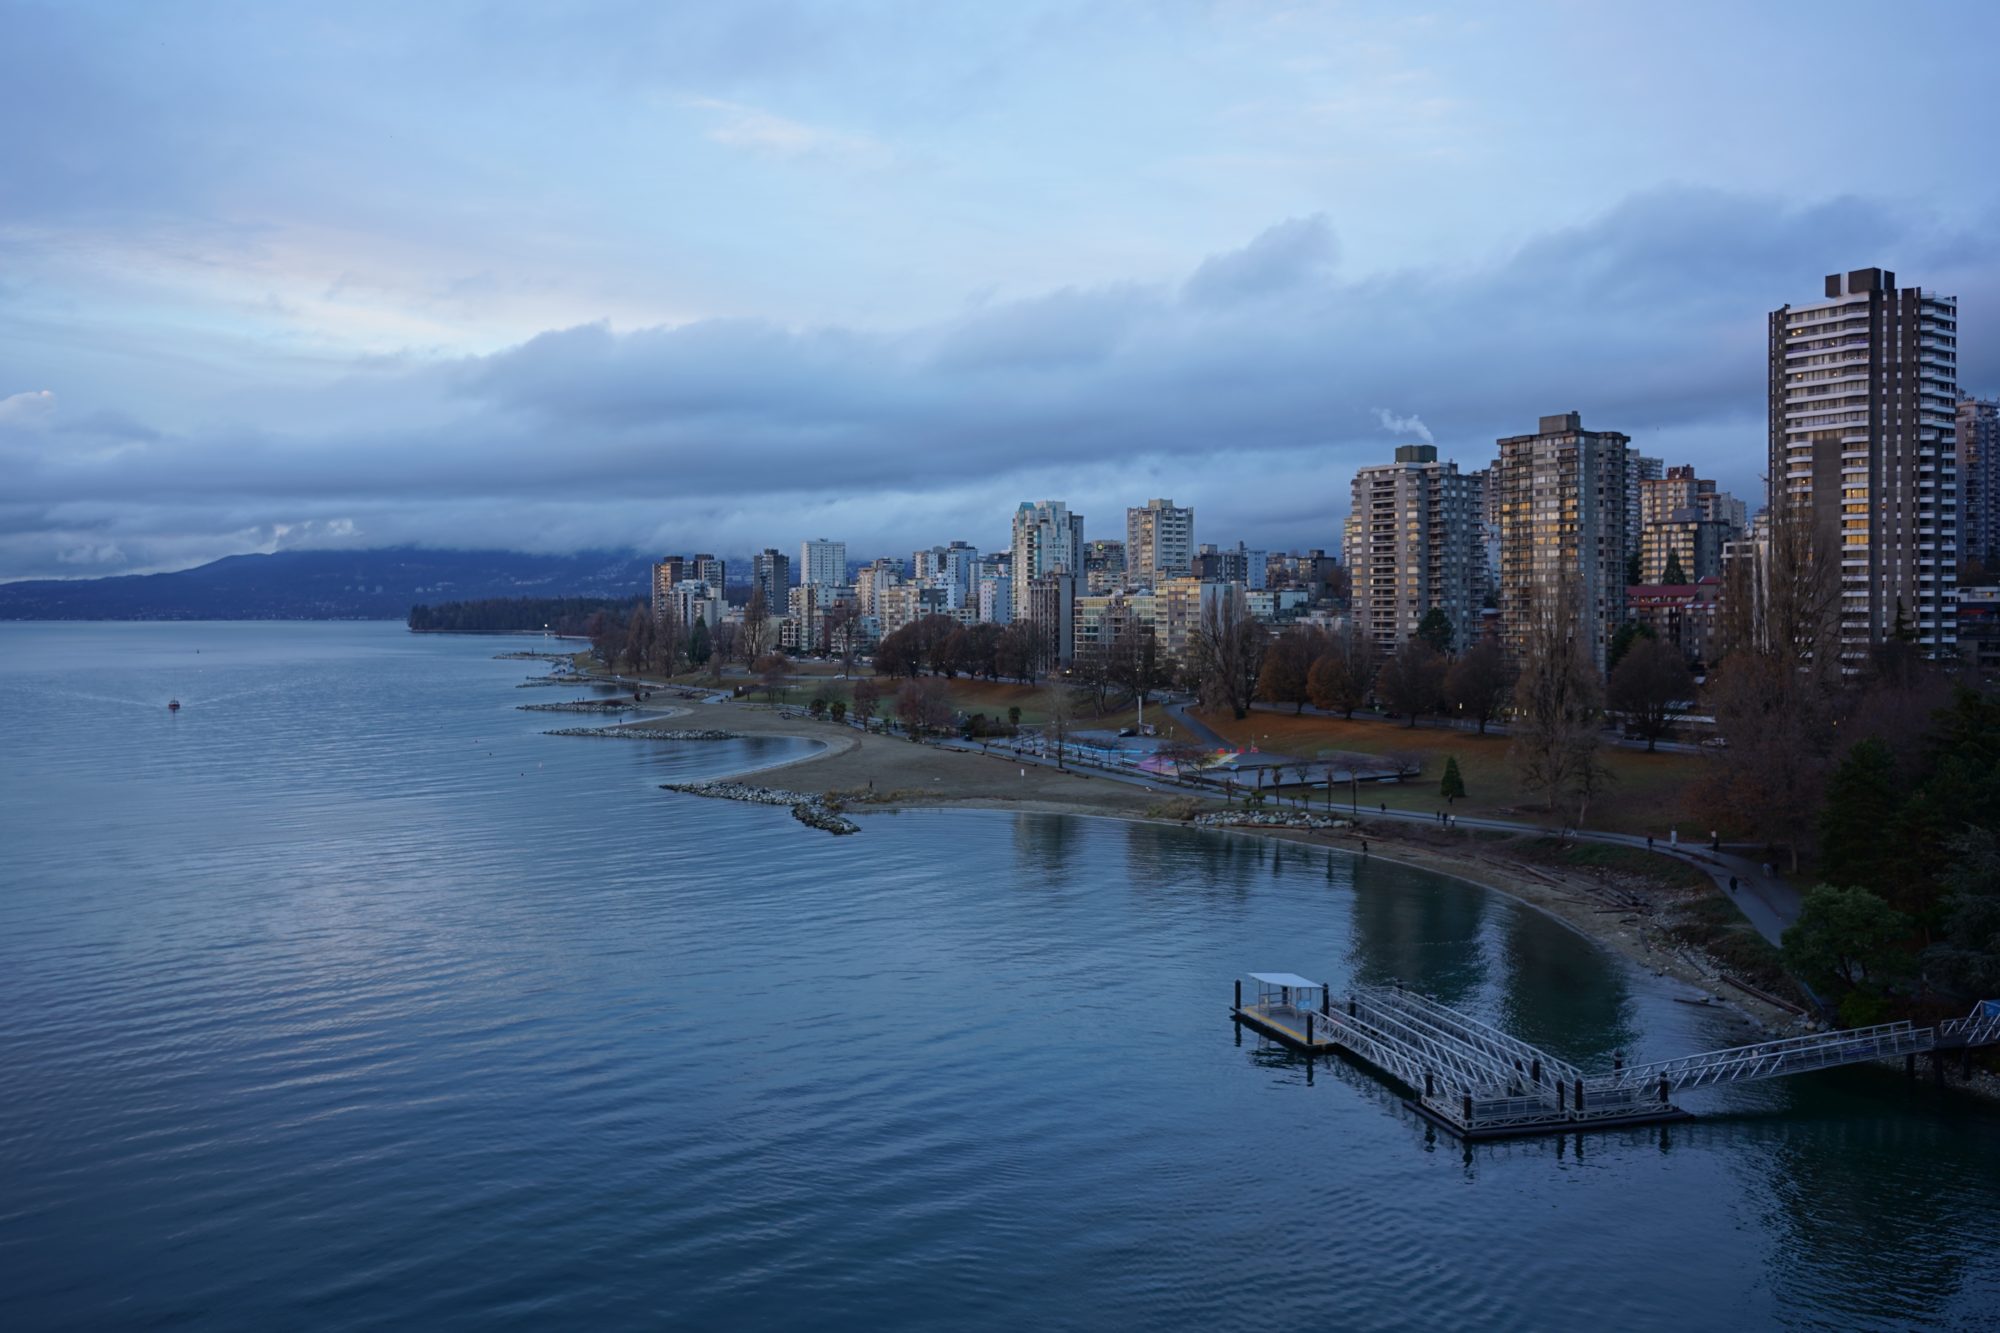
[[379, 584]]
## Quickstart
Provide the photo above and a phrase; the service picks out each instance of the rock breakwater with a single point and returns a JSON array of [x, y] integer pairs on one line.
[[812, 811], [1275, 819], [648, 733], [579, 706]]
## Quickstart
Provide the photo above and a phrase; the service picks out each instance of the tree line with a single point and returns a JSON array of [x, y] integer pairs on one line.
[[512, 615]]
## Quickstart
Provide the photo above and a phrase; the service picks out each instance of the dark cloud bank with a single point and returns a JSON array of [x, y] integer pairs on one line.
[[1251, 390]]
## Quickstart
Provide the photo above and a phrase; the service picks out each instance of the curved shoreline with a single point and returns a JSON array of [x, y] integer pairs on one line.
[[865, 776]]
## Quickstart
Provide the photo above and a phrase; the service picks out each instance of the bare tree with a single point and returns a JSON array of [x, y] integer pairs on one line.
[[721, 650], [1061, 704], [1091, 671], [1022, 651], [838, 633], [1773, 694], [1557, 700], [867, 698], [1288, 666], [1133, 662], [754, 639], [1479, 683], [1651, 683], [771, 669], [669, 639], [1227, 652], [924, 705]]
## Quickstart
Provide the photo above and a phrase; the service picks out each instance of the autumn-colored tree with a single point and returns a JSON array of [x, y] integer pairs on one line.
[[1339, 678], [1411, 682], [1288, 662]]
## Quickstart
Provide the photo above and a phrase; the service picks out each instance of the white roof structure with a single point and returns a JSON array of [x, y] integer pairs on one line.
[[1282, 979]]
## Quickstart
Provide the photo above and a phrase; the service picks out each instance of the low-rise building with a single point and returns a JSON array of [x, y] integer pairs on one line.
[[1681, 614]]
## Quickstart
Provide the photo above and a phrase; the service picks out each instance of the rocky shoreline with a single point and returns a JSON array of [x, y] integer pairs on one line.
[[812, 811], [1277, 819], [641, 733], [580, 706]]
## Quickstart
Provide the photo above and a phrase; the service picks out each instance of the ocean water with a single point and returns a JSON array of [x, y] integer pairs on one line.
[[346, 998]]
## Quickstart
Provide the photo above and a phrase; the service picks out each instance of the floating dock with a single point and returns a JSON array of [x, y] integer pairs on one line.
[[1480, 1082]]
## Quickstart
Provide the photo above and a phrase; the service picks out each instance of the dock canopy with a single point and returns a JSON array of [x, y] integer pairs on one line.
[[1286, 992], [1288, 979]]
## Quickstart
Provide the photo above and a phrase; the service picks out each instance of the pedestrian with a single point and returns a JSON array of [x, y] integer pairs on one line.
[[1364, 846], [1385, 807], [1649, 842], [1767, 870], [1714, 841], [1674, 837], [1732, 883]]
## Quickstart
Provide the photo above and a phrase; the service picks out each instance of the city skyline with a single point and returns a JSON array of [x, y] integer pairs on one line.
[[876, 304]]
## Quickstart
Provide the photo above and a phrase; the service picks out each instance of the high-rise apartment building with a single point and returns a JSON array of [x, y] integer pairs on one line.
[[1562, 498], [1639, 469], [710, 570], [771, 574], [996, 599], [1104, 566], [1863, 390], [1978, 433], [1051, 606], [1047, 539], [1684, 521], [1415, 540], [1159, 542], [667, 571], [822, 563]]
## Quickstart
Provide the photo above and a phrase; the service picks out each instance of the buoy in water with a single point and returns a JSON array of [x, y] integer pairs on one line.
[[173, 705]]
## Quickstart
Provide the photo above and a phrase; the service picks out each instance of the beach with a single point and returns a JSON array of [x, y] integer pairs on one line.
[[876, 773]]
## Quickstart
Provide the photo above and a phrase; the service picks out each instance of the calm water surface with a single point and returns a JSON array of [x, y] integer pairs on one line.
[[346, 998]]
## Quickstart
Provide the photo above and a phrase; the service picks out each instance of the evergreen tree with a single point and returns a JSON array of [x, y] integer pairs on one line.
[[1622, 640], [1632, 569], [1435, 630], [1858, 820], [1453, 785], [1673, 573], [698, 647]]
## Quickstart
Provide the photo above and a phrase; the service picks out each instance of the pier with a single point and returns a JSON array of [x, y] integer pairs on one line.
[[1480, 1082]]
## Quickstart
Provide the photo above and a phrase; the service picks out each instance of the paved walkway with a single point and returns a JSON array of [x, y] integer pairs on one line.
[[1766, 901]]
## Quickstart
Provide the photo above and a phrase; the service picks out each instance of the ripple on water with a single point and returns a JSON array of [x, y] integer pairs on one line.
[[347, 997]]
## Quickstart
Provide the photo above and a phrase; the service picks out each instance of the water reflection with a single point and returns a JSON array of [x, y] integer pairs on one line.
[[1423, 932]]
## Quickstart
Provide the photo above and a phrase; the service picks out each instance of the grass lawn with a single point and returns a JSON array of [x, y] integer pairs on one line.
[[1649, 793], [992, 698]]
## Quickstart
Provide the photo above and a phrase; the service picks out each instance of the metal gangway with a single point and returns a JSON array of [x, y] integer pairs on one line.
[[1480, 1081]]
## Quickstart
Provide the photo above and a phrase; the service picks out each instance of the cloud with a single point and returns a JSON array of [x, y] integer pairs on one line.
[[1248, 389], [28, 410], [767, 134], [1296, 252]]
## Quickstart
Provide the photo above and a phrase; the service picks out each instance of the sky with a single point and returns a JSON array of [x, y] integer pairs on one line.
[[717, 277]]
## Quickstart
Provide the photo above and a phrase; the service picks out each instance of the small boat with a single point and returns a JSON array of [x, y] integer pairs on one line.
[[173, 705]]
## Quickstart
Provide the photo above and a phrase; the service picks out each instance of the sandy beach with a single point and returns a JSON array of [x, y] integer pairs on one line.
[[875, 773]]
